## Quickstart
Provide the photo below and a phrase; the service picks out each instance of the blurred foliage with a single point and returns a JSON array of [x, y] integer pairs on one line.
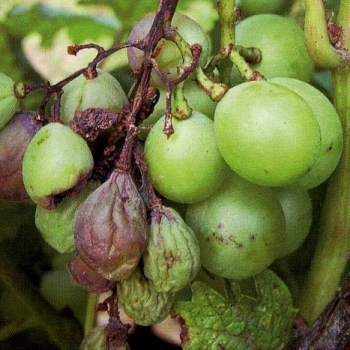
[[33, 39]]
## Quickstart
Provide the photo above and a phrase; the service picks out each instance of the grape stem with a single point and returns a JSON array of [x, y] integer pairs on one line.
[[333, 241], [229, 53], [317, 38], [226, 9]]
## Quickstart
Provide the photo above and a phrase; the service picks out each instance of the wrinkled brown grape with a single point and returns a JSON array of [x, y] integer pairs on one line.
[[111, 228], [86, 277], [14, 138]]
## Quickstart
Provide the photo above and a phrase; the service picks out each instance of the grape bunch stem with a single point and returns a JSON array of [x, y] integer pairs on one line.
[[333, 240]]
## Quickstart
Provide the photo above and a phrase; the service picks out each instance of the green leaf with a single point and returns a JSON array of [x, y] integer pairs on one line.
[[203, 11], [8, 63], [128, 12], [262, 323], [49, 20]]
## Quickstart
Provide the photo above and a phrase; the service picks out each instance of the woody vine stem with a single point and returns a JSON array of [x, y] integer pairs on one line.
[[333, 239]]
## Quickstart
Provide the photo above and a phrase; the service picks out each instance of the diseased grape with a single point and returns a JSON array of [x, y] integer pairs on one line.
[[14, 139], [85, 276], [111, 229], [55, 161], [172, 258], [141, 301], [104, 91], [240, 229]]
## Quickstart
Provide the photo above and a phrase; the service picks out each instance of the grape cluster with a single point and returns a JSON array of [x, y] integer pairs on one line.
[[102, 170]]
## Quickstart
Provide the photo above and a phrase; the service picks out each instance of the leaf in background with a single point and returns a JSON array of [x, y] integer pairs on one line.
[[203, 11], [48, 20], [263, 323], [8, 62], [128, 12]]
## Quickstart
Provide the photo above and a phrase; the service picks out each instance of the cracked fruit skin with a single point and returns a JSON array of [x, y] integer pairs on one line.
[[267, 133], [240, 229], [104, 91], [281, 41], [331, 132], [186, 167], [56, 160], [9, 103]]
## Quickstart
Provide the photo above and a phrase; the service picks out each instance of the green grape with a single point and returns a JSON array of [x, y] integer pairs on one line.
[[253, 7], [331, 132], [197, 99], [9, 103], [57, 288], [267, 133], [57, 225], [167, 54], [56, 160], [104, 91], [240, 229], [281, 42], [297, 208], [186, 167]]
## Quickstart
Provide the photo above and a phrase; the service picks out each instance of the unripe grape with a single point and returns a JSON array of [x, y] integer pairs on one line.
[[14, 139], [281, 42], [104, 91], [57, 225], [197, 99], [331, 132], [267, 133], [167, 54], [186, 167], [240, 229], [57, 288], [56, 160], [297, 209], [253, 7], [9, 103]]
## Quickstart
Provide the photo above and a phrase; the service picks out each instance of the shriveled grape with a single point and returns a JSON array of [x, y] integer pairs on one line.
[[14, 139]]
